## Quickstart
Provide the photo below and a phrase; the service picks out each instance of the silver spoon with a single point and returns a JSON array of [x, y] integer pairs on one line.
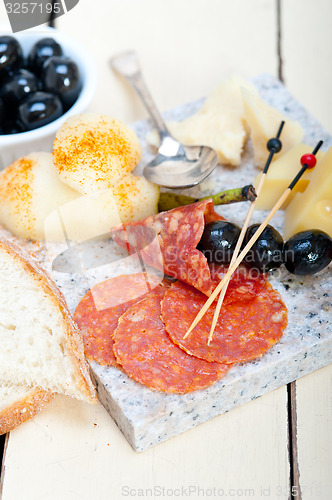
[[175, 165]]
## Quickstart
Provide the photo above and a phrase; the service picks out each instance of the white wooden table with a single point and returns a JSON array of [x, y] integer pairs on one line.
[[75, 451]]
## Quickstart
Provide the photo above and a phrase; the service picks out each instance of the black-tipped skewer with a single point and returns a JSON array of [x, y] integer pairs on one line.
[[307, 161], [273, 145]]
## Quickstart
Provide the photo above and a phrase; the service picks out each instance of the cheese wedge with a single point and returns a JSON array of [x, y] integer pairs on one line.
[[93, 152], [32, 196], [219, 123], [30, 189], [280, 174], [264, 121], [313, 208], [92, 215]]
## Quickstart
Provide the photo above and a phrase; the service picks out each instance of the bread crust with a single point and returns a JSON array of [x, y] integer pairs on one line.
[[22, 410], [75, 347]]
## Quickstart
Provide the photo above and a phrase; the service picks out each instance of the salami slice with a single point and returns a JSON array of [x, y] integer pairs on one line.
[[168, 241], [245, 330], [147, 354], [98, 312], [244, 284]]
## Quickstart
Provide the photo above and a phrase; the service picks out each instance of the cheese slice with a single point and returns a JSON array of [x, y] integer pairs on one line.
[[313, 208], [264, 122], [232, 111], [93, 215], [219, 123], [280, 174]]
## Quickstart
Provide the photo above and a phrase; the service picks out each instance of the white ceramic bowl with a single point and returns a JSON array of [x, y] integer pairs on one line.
[[13, 146]]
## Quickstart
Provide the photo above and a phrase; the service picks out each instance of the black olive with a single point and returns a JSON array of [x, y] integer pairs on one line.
[[266, 253], [11, 56], [41, 51], [218, 241], [39, 109], [308, 252], [16, 88], [2, 113], [60, 76], [13, 127]]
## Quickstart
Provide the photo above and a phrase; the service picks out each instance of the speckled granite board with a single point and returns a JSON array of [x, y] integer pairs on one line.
[[147, 418]]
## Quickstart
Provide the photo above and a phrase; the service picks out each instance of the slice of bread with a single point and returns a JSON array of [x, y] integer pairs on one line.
[[41, 345], [18, 403]]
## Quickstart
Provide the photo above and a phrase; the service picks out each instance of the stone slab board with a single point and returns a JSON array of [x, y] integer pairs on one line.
[[147, 417]]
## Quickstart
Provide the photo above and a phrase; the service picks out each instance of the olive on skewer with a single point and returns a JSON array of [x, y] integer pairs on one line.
[[305, 253], [266, 253], [218, 241]]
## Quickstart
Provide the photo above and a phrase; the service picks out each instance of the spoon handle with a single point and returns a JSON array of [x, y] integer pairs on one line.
[[127, 65]]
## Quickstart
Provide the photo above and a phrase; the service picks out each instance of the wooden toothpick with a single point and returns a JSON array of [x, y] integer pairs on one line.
[[274, 146], [307, 161]]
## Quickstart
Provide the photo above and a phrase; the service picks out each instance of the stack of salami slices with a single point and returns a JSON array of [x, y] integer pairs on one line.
[[137, 322]]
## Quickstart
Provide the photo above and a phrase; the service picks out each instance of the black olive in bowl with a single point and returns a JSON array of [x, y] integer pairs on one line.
[[41, 51], [39, 109], [17, 86], [11, 56], [2, 113], [13, 127], [60, 76], [308, 252]]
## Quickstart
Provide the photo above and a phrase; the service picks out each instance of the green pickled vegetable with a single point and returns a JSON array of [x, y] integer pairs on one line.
[[169, 200]]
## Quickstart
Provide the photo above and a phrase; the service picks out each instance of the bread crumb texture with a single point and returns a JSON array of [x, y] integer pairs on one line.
[[41, 345], [93, 152]]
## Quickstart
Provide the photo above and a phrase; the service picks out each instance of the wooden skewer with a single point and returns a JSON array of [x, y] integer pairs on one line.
[[274, 146], [252, 240]]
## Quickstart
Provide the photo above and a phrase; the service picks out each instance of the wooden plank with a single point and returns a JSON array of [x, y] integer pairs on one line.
[[292, 441], [4, 443], [185, 48], [74, 450], [314, 434], [307, 51], [306, 43]]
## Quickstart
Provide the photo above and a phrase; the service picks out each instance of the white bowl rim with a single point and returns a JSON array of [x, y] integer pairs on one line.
[[84, 98]]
